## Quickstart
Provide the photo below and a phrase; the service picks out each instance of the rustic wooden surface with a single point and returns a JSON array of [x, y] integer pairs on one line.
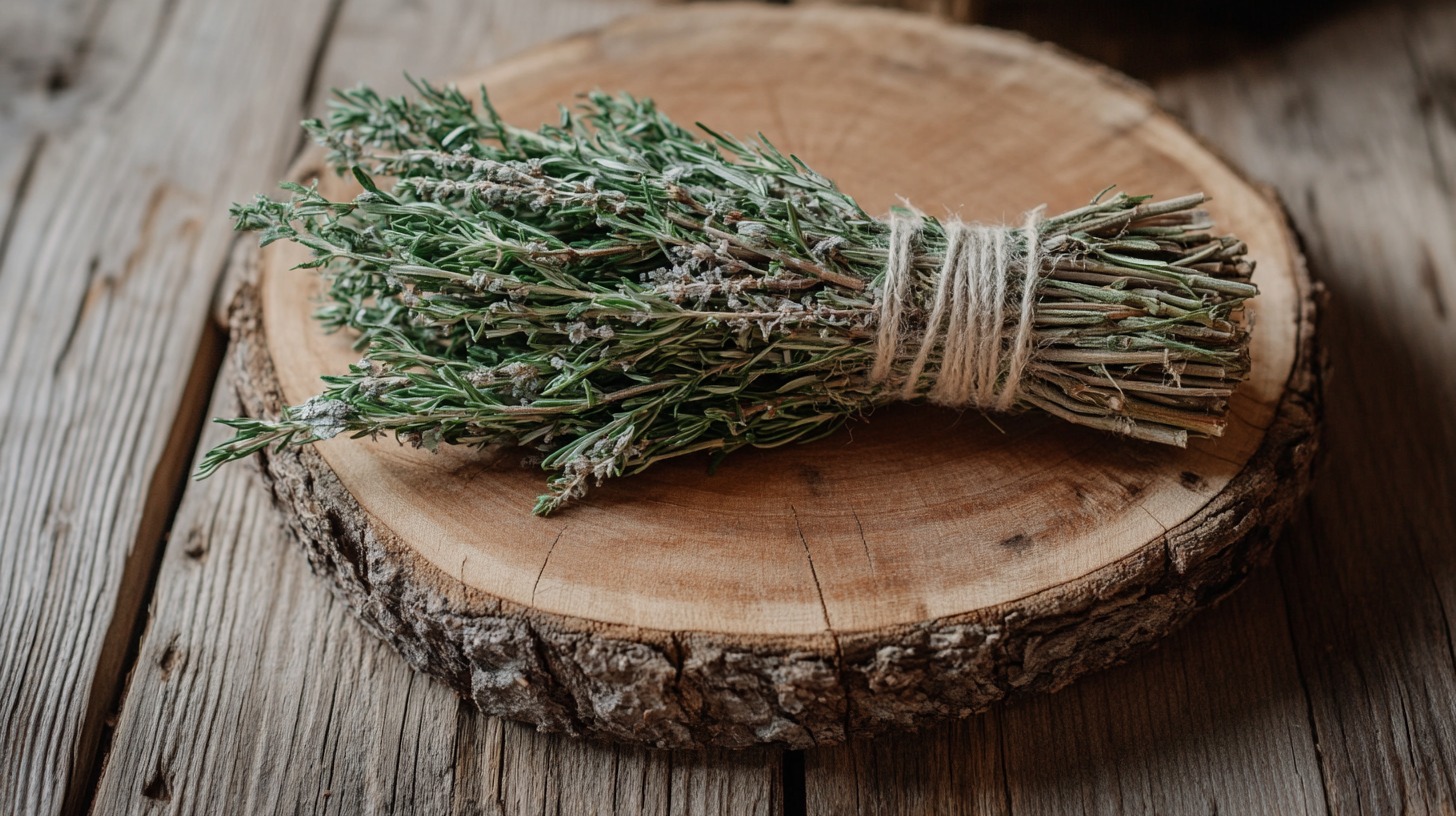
[[856, 587], [164, 659]]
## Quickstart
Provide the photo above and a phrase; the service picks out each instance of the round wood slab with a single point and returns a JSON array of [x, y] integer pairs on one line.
[[918, 565]]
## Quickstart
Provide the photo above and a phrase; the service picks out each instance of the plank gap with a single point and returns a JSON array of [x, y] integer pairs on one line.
[[1303, 520], [22, 188], [796, 797], [149, 55], [76, 320], [316, 63], [124, 634]]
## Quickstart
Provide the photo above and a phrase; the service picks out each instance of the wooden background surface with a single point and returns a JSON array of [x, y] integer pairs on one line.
[[164, 648]]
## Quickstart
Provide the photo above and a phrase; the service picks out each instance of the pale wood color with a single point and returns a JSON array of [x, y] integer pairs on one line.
[[927, 568], [1356, 123], [123, 130], [1337, 671], [253, 690], [1340, 654], [1209, 723]]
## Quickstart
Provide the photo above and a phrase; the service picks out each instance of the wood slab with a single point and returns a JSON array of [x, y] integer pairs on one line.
[[920, 565]]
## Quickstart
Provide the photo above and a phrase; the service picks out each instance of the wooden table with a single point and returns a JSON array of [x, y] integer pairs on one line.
[[163, 647]]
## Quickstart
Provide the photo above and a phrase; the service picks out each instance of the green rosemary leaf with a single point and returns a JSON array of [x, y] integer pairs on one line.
[[614, 290]]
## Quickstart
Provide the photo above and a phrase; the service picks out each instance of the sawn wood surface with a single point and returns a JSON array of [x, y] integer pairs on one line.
[[918, 565]]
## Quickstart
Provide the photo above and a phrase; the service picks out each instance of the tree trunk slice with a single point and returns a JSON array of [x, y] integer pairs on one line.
[[921, 564]]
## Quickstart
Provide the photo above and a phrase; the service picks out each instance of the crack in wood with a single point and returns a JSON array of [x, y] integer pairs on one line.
[[544, 562], [813, 573], [22, 191], [1001, 764], [399, 740], [839, 667], [149, 55], [864, 542], [83, 305], [1431, 282], [317, 61], [121, 646]]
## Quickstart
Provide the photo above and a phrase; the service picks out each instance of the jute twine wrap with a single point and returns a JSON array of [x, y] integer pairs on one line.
[[980, 306]]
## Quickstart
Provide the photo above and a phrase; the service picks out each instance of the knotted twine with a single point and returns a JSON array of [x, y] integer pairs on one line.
[[981, 305]]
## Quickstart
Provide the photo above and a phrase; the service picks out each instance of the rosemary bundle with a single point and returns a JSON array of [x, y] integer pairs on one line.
[[615, 290]]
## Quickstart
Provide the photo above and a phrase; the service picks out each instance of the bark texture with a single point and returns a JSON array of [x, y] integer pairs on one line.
[[696, 689]]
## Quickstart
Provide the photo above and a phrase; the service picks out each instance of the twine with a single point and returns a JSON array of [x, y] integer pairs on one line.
[[981, 305]]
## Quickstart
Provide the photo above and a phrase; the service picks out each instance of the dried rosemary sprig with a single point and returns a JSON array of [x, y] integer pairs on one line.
[[617, 290]]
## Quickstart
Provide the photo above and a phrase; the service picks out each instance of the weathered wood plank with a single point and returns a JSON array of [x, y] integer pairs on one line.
[[104, 283], [1213, 724], [377, 42], [1206, 724], [1347, 645], [254, 686], [953, 769], [1369, 580], [1356, 125], [42, 45]]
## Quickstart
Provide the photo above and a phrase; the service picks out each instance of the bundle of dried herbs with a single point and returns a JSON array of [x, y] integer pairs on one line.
[[616, 290]]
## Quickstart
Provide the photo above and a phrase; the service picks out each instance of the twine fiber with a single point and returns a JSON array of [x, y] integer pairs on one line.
[[980, 303]]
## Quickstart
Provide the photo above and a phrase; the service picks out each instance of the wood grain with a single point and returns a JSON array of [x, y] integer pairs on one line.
[[108, 267], [254, 687], [811, 564], [1344, 654], [1347, 110], [1356, 124], [933, 494], [1205, 724]]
